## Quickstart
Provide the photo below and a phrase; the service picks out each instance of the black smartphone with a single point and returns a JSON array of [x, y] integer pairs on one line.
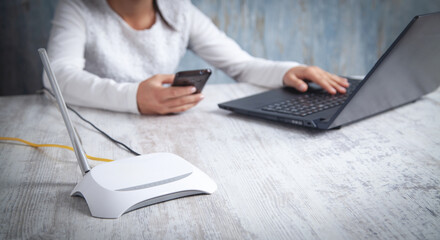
[[196, 78]]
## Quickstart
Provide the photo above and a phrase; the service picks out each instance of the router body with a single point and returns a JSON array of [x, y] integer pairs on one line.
[[112, 189]]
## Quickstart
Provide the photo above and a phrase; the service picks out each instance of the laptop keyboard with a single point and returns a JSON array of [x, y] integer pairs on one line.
[[310, 102]]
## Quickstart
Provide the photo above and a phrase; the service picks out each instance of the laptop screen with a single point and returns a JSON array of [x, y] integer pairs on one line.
[[408, 70]]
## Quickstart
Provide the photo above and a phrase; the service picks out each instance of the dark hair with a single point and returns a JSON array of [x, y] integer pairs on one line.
[[156, 8]]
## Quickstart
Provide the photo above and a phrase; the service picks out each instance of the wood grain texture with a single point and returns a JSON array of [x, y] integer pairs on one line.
[[376, 179]]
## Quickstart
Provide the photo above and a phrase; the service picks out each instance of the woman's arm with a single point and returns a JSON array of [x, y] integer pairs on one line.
[[211, 44], [207, 41], [66, 52]]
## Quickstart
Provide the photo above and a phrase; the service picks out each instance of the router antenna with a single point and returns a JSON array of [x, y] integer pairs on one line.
[[79, 151]]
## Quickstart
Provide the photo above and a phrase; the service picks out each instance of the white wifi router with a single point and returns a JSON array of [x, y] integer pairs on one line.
[[112, 189]]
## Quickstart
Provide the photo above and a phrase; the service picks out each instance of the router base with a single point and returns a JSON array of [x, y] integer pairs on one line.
[[112, 189]]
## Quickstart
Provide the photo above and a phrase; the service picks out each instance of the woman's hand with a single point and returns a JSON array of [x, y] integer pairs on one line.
[[153, 98], [331, 83]]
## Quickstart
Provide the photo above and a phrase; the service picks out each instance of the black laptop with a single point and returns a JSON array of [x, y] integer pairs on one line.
[[409, 69]]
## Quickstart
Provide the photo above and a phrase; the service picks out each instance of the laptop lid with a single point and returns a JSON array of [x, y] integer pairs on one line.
[[409, 69]]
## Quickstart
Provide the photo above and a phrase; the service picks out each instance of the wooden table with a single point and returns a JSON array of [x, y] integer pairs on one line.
[[375, 179]]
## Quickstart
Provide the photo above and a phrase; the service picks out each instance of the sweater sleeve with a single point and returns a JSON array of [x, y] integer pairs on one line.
[[66, 52], [212, 45]]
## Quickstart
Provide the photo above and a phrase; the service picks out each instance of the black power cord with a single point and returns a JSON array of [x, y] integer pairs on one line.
[[95, 127]]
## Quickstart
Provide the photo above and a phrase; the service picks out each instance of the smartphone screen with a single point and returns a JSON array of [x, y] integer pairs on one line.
[[196, 78]]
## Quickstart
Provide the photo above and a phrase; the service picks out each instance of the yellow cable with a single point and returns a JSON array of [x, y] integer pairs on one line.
[[53, 145]]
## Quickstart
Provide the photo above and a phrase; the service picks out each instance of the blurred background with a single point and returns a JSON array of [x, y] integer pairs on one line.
[[341, 36]]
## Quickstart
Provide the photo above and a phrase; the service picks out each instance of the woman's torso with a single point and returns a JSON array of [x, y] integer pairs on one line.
[[115, 50]]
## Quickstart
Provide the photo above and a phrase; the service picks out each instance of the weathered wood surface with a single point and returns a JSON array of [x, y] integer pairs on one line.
[[376, 179]]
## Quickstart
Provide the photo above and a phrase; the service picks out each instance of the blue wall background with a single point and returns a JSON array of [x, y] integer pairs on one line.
[[341, 36]]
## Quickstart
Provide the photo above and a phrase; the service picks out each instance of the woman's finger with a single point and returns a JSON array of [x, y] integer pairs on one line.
[[340, 80], [175, 92], [338, 83], [317, 75], [324, 81], [180, 101], [295, 82], [182, 108], [337, 86], [329, 82]]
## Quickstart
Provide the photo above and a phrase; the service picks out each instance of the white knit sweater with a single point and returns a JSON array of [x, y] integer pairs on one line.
[[99, 59]]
